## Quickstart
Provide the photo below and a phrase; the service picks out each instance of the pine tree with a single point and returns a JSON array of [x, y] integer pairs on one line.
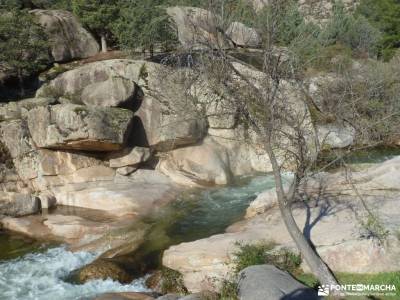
[[97, 16], [24, 47]]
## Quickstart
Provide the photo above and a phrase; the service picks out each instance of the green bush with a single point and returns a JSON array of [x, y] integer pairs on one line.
[[264, 253], [354, 32], [384, 15], [229, 290]]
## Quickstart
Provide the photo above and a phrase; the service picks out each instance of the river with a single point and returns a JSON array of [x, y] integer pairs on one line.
[[31, 270]]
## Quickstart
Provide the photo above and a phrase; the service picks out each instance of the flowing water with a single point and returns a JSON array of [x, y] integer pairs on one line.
[[31, 270]]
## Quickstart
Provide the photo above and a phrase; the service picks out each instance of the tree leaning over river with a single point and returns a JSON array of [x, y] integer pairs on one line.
[[273, 102]]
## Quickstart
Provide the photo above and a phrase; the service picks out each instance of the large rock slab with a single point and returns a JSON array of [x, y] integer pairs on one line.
[[137, 194], [215, 161], [197, 28], [114, 92], [268, 282], [69, 40], [16, 204], [100, 233], [68, 126], [204, 164], [163, 131], [243, 35], [164, 118], [129, 157], [333, 220], [117, 199], [336, 135]]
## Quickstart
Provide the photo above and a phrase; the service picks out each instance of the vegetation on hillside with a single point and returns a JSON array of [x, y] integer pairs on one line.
[[385, 16], [23, 44]]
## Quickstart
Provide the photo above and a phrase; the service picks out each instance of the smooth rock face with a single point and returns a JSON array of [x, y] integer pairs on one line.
[[268, 282], [243, 36], [196, 27], [137, 194], [69, 40], [332, 220], [204, 164], [69, 126], [164, 132], [336, 136], [114, 92], [109, 236], [16, 205], [130, 157], [214, 161]]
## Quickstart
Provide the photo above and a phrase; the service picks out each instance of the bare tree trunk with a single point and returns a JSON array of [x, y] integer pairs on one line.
[[316, 264], [103, 43]]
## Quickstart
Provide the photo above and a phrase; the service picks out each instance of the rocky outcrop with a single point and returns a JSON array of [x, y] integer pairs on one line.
[[69, 40], [197, 28], [77, 127], [114, 92], [336, 135], [205, 164], [135, 195], [268, 282], [99, 232], [242, 35], [16, 204], [129, 157], [17, 110], [213, 162], [333, 219], [164, 119]]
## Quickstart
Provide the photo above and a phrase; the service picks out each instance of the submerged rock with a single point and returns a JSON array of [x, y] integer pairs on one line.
[[101, 269]]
